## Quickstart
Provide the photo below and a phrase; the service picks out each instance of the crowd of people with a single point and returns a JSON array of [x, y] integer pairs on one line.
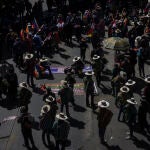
[[37, 39]]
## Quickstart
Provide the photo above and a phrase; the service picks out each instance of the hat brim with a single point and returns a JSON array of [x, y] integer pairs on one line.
[[130, 102], [74, 60], [60, 118], [146, 80], [129, 84], [95, 58], [103, 106], [42, 109], [47, 100], [121, 89], [43, 60], [21, 85], [89, 74], [27, 58]]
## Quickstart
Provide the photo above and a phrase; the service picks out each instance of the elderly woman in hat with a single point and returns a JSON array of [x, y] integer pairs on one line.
[[131, 116], [61, 130], [104, 117], [130, 84]]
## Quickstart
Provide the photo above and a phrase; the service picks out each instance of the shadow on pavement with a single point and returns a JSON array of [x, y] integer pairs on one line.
[[79, 108], [56, 62], [64, 56], [76, 123], [141, 143]]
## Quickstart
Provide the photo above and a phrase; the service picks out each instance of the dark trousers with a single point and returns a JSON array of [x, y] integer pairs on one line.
[[121, 110], [27, 135], [30, 79], [58, 142], [141, 69], [131, 127], [47, 134], [67, 108], [82, 54], [102, 133], [98, 78], [87, 99]]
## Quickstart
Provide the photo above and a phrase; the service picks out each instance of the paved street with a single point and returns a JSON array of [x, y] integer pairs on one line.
[[84, 128]]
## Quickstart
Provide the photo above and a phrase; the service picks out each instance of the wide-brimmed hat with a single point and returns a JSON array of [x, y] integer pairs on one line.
[[122, 74], [23, 85], [61, 116], [124, 89], [147, 80], [28, 56], [130, 82], [95, 57], [43, 59], [89, 73], [103, 104], [45, 109], [83, 39], [50, 99], [132, 101], [76, 59], [118, 31], [140, 23]]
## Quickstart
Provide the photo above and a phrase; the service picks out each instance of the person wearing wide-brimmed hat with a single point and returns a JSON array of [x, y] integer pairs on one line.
[[61, 130], [142, 115], [30, 67], [131, 113], [122, 97], [97, 65], [77, 65], [130, 84], [89, 88], [146, 91], [83, 47], [104, 117], [46, 123], [66, 95], [26, 126], [24, 94]]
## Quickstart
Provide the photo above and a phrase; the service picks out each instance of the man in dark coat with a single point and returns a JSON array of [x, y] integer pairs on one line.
[[89, 88], [83, 47], [66, 94], [26, 127]]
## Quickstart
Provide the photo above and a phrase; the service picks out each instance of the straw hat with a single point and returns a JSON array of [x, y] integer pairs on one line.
[[28, 56], [61, 116], [147, 80], [103, 104], [50, 99], [23, 85], [95, 57], [83, 40], [43, 59], [76, 58], [130, 82], [45, 109], [132, 101], [118, 31], [89, 73], [124, 89]]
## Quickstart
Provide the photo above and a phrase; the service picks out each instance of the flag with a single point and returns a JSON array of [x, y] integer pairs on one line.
[[35, 25], [22, 34], [27, 29]]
